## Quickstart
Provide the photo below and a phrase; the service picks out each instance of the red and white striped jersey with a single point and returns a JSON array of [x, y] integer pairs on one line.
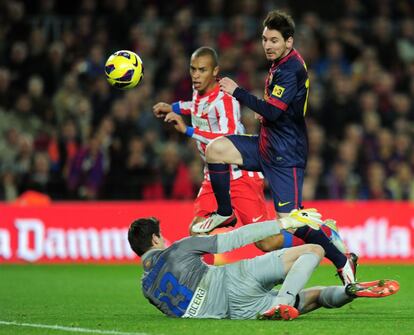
[[214, 114]]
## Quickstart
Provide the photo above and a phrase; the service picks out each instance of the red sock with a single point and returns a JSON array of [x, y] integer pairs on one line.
[[297, 241], [327, 231]]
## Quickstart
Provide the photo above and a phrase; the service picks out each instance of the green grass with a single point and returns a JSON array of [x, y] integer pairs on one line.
[[109, 298]]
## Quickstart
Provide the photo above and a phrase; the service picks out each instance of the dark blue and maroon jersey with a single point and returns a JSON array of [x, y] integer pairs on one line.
[[283, 136]]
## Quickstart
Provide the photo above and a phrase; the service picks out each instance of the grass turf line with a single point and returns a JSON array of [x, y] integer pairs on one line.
[[108, 297]]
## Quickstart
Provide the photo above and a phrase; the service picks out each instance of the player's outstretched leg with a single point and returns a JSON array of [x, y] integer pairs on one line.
[[279, 312], [337, 296], [373, 289]]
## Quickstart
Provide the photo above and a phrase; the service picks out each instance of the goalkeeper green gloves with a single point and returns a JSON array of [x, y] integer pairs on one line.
[[302, 217]]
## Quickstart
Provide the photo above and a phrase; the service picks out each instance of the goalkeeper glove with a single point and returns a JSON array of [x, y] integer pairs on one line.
[[302, 217]]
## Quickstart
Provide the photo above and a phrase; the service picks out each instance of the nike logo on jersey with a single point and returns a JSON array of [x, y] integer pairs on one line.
[[281, 204], [257, 219]]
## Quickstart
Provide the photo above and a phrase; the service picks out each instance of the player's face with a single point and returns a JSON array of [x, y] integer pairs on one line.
[[274, 45], [203, 73]]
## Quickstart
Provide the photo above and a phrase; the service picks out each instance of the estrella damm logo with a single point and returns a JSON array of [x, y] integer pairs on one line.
[[278, 91]]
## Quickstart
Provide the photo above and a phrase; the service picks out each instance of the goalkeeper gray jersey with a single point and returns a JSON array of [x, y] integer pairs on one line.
[[180, 284]]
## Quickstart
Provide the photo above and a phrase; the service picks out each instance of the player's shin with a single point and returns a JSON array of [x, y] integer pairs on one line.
[[220, 181], [297, 277], [333, 297]]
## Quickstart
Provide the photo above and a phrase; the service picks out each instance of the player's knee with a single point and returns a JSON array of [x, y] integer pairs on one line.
[[223, 151], [270, 244], [315, 249], [263, 246], [215, 151]]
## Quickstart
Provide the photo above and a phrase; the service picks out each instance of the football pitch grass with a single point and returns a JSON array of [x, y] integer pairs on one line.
[[106, 299]]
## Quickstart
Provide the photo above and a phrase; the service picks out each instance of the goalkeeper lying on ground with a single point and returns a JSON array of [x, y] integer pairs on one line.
[[180, 284]]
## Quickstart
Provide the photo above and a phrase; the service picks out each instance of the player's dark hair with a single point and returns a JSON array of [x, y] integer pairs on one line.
[[280, 21], [140, 234], [207, 51]]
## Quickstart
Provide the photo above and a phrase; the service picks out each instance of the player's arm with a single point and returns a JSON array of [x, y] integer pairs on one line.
[[255, 232], [177, 121], [260, 106], [252, 233], [215, 244], [161, 109], [182, 107], [285, 88]]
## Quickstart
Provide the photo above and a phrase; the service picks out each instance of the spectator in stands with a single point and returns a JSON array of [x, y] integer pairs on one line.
[[313, 185], [360, 60], [401, 184], [8, 184], [174, 175], [40, 178], [374, 187], [63, 147], [138, 170], [9, 146], [341, 182], [87, 171]]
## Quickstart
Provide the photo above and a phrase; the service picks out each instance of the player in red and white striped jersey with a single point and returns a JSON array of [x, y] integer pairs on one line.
[[215, 113]]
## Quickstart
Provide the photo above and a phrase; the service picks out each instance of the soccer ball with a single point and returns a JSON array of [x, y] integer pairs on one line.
[[124, 69]]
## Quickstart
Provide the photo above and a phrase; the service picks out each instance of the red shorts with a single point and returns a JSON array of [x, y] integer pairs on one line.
[[247, 199]]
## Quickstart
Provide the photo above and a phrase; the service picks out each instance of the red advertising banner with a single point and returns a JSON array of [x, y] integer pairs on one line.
[[97, 232]]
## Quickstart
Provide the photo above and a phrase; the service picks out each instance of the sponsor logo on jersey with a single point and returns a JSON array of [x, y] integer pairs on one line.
[[195, 303], [200, 123]]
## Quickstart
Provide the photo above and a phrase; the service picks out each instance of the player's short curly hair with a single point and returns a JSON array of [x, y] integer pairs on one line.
[[140, 234], [280, 21]]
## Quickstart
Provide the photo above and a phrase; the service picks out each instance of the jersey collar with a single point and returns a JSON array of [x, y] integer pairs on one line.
[[280, 61], [214, 91]]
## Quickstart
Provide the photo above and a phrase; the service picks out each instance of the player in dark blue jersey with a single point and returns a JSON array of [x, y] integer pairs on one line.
[[280, 149]]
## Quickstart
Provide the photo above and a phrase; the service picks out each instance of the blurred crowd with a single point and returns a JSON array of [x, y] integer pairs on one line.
[[66, 133]]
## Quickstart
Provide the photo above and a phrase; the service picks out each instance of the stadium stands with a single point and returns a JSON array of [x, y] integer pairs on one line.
[[66, 133]]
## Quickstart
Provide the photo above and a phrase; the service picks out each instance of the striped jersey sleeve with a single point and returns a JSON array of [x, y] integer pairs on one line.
[[182, 107]]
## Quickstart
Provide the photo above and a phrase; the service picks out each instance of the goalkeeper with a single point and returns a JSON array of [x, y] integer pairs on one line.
[[180, 284]]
